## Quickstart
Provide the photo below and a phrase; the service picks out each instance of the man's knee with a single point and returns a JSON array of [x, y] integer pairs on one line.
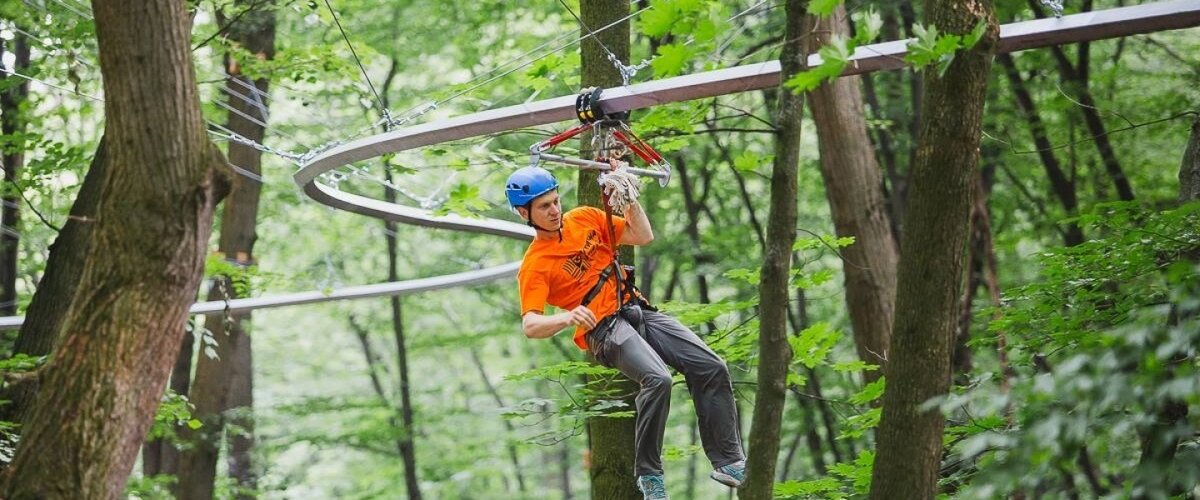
[[712, 369], [657, 381]]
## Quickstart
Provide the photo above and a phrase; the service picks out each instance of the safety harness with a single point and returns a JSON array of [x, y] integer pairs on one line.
[[612, 138]]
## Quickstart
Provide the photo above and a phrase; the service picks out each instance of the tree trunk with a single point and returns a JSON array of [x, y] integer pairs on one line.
[[160, 456], [854, 188], [611, 439], [403, 415], [12, 124], [774, 351], [1078, 76], [1063, 187], [223, 387], [512, 448], [1160, 442], [808, 427], [693, 206], [979, 269], [1189, 168], [909, 445], [44, 318], [126, 320], [407, 448], [888, 136]]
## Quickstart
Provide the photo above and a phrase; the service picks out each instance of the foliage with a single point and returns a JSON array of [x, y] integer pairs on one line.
[[174, 411], [1093, 313], [836, 54], [930, 47], [846, 480], [1105, 340]]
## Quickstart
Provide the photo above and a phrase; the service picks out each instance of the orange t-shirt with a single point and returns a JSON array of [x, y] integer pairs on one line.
[[560, 274]]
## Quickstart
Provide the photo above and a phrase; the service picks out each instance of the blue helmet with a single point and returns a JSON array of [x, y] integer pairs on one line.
[[528, 183]]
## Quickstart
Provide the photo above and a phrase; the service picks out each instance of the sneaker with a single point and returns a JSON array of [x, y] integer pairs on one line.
[[652, 486], [730, 475]]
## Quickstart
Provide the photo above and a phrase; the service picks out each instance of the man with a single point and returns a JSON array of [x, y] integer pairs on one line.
[[571, 253]]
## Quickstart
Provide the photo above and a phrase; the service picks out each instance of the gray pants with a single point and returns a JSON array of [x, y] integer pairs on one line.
[[645, 361]]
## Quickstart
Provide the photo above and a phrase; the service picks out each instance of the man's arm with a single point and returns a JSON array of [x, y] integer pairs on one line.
[[637, 226], [540, 326]]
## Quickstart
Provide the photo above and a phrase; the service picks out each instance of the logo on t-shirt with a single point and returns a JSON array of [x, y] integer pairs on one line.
[[579, 262]]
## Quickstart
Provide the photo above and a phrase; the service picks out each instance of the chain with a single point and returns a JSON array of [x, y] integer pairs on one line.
[[227, 314], [1055, 6], [627, 71]]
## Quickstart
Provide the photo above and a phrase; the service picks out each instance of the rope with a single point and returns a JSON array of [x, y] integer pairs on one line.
[[621, 188]]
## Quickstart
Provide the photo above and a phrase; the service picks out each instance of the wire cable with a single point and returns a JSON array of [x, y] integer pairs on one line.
[[625, 70], [51, 85], [382, 106]]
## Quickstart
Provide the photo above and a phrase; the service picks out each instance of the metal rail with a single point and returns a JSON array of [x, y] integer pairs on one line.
[[1096, 25], [353, 292]]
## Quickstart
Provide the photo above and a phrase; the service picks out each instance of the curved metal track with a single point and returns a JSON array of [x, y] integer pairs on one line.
[[1110, 23]]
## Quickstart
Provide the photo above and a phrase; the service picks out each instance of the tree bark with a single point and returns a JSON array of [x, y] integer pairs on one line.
[[929, 278], [125, 321], [223, 388], [854, 188], [1189, 168], [12, 124], [774, 351], [160, 456], [611, 439]]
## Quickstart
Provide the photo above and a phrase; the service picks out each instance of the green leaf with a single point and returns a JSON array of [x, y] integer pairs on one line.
[[825, 487], [796, 380], [822, 7], [21, 363], [834, 58], [922, 49], [464, 200], [858, 425], [854, 366], [748, 276], [813, 344], [868, 25], [871, 392], [671, 60], [705, 30], [658, 20], [748, 161], [975, 35]]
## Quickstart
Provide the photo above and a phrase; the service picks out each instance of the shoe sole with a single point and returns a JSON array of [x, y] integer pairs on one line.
[[725, 479]]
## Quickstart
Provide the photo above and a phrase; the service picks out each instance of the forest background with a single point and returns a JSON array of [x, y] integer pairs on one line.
[[1073, 357]]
